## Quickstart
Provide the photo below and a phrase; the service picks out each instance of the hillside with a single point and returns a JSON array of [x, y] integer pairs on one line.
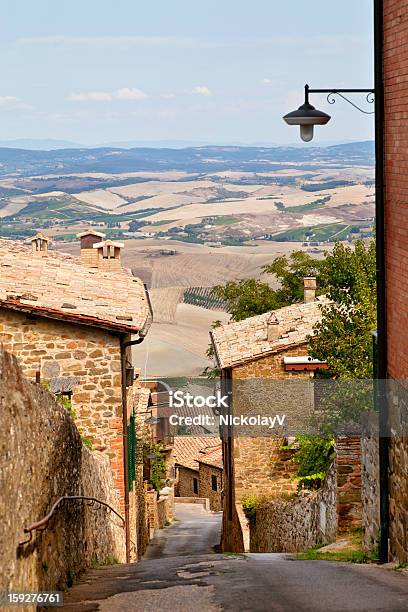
[[218, 195]]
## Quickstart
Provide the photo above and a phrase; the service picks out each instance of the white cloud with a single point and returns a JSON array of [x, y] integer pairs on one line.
[[94, 96], [126, 93], [13, 102], [201, 90], [5, 100], [130, 93], [266, 81]]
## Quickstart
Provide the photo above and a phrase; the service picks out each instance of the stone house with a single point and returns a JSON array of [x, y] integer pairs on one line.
[[210, 476], [71, 323], [193, 479], [250, 354]]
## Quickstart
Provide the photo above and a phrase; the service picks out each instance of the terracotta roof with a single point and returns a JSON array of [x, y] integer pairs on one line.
[[242, 341], [211, 456], [58, 286], [91, 232], [186, 449]]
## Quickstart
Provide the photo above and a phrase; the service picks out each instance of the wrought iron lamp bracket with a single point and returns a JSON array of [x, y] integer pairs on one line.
[[331, 93]]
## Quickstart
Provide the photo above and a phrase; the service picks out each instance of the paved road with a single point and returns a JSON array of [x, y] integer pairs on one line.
[[179, 574], [196, 531]]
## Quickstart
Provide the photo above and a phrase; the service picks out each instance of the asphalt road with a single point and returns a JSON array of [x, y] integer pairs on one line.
[[180, 574], [196, 531]]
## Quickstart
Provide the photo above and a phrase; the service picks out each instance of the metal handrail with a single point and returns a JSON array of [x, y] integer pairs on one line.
[[43, 523]]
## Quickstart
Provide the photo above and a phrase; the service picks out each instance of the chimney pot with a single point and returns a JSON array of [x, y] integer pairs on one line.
[[89, 257], [309, 289], [108, 255], [272, 328], [39, 244]]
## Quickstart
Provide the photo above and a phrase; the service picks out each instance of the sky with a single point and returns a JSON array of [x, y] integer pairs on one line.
[[215, 71]]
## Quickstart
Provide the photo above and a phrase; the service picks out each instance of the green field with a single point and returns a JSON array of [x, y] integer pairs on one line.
[[319, 233], [221, 220]]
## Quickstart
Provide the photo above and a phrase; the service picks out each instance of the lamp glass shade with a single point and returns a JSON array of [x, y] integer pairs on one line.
[[306, 132]]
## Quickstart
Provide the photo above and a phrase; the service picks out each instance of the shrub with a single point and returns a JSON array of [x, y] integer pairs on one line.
[[313, 459]]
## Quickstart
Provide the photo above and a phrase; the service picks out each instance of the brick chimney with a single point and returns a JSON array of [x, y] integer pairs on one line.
[[309, 289], [108, 255], [272, 328], [89, 257], [39, 244]]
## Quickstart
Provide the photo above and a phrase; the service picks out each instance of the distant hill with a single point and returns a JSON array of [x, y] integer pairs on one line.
[[28, 162], [46, 144]]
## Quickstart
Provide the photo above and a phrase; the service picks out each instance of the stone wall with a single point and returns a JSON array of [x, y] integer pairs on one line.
[[294, 525], [42, 458], [205, 489], [184, 486], [160, 510], [370, 483], [262, 467], [83, 359], [398, 484], [272, 366]]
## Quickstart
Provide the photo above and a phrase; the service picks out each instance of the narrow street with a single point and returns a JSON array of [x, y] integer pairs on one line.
[[180, 573]]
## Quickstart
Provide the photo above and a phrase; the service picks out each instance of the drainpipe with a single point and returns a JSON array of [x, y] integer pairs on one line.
[[123, 346], [381, 358]]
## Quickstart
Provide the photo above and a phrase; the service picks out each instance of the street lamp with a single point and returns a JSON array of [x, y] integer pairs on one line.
[[307, 116]]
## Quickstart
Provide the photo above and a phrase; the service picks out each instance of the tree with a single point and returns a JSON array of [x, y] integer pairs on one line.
[[247, 298], [343, 336], [290, 273]]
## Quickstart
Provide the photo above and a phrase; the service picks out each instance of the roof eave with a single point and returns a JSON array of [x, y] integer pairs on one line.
[[273, 351], [216, 354], [70, 317]]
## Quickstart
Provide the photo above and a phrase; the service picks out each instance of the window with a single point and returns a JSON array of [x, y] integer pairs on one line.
[[195, 486], [214, 482]]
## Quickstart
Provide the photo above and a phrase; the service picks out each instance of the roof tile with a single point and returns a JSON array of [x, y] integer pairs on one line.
[[241, 341], [59, 286]]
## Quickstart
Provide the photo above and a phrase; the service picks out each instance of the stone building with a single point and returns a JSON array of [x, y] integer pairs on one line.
[[251, 354], [193, 478], [70, 322], [210, 476]]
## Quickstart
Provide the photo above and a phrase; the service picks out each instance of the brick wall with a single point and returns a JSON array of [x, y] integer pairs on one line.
[[42, 458], [396, 221], [349, 502]]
